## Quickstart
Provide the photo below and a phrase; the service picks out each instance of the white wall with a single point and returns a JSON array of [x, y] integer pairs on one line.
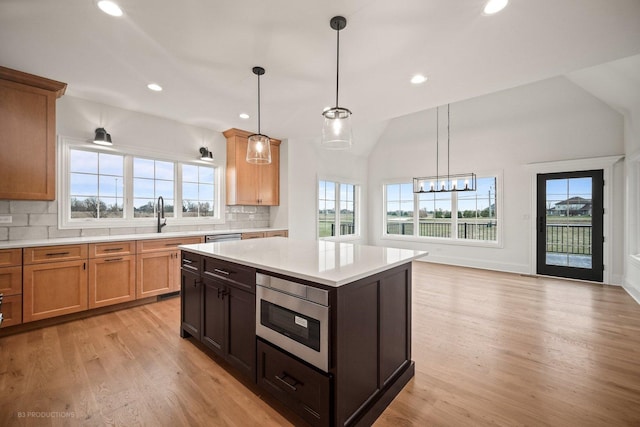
[[307, 163], [547, 121]]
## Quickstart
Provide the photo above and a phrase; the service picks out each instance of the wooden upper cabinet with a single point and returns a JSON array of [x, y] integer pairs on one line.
[[27, 135], [250, 184]]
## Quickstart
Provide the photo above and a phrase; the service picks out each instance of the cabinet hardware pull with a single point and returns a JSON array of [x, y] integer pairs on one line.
[[57, 253], [187, 261], [113, 259], [84, 265], [291, 386], [217, 270], [173, 244], [113, 249]]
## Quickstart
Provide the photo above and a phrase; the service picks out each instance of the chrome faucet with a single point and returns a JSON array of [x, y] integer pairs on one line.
[[161, 213]]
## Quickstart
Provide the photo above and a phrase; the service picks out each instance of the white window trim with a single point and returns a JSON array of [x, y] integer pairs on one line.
[[65, 144], [357, 216], [455, 241]]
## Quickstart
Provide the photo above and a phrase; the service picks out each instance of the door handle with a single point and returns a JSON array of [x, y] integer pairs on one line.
[[283, 381]]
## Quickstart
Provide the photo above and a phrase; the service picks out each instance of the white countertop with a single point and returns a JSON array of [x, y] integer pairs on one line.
[[328, 263], [12, 244]]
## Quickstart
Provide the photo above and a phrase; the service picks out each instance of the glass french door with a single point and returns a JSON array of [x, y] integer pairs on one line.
[[569, 224]]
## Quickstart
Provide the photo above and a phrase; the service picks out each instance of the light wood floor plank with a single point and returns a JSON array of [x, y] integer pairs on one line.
[[490, 349]]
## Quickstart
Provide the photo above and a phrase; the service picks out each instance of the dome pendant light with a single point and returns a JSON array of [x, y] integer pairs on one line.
[[259, 146], [336, 131]]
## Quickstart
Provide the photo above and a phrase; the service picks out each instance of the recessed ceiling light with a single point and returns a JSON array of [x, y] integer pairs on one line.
[[154, 87], [244, 116], [110, 8], [418, 78], [494, 6]]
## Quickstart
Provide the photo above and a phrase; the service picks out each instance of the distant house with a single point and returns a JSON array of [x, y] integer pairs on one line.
[[575, 206]]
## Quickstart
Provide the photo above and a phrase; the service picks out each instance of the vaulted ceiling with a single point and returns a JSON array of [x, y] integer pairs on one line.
[[202, 52]]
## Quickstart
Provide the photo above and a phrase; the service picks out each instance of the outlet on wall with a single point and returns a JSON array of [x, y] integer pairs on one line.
[[6, 219]]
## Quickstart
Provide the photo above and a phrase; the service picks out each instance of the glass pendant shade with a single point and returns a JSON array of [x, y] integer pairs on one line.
[[259, 149], [336, 131]]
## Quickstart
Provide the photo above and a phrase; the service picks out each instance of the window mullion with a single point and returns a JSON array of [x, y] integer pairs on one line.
[[336, 189]]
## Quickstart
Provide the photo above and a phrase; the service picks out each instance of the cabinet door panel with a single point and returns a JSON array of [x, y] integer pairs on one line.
[[155, 273], [54, 289], [11, 310], [10, 257], [242, 331], [394, 324], [191, 303], [213, 316], [10, 280], [112, 280], [27, 121]]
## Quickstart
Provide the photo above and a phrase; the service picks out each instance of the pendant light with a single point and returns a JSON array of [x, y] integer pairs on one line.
[[444, 183], [259, 146], [336, 131]]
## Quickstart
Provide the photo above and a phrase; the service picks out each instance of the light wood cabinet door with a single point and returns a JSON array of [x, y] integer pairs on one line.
[[249, 184], [11, 310], [253, 235], [112, 280], [111, 249], [27, 135], [11, 280], [157, 273], [10, 257], [54, 289]]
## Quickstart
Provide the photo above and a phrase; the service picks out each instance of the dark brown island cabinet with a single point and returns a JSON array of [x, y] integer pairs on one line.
[[369, 343]]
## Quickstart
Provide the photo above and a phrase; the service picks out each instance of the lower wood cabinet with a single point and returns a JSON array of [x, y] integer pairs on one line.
[[53, 289], [11, 310], [191, 304], [112, 280], [157, 273]]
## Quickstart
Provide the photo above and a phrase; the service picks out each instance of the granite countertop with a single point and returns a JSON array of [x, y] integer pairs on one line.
[[325, 262], [12, 244]]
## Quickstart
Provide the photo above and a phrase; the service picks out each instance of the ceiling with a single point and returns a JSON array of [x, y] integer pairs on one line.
[[202, 52]]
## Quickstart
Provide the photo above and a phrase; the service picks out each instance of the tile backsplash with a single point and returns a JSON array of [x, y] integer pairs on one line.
[[39, 220]]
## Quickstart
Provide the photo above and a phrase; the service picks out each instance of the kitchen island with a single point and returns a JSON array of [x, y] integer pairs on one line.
[[324, 327]]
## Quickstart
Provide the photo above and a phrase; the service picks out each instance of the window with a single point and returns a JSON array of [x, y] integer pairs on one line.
[[105, 187], [458, 216], [337, 209], [152, 179], [96, 185], [198, 191]]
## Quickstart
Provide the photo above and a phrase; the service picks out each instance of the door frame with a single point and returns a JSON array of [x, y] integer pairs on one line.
[[607, 166]]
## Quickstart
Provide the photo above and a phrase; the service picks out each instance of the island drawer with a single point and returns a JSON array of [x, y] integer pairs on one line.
[[191, 262], [241, 276], [300, 387]]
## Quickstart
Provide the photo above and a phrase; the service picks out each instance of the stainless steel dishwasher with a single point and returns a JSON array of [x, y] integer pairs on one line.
[[213, 238]]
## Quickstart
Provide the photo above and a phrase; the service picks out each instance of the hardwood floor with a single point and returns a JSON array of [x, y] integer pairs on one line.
[[490, 349]]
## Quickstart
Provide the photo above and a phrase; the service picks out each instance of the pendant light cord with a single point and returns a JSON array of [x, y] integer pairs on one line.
[[259, 104], [337, 64], [448, 147], [437, 146]]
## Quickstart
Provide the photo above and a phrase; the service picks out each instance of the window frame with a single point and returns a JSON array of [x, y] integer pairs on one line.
[[453, 240], [66, 144], [356, 214]]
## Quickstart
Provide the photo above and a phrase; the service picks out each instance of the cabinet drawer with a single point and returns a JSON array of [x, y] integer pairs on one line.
[[241, 276], [253, 235], [109, 249], [155, 245], [191, 262], [10, 257], [11, 310], [276, 233], [303, 389], [43, 254], [11, 280]]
